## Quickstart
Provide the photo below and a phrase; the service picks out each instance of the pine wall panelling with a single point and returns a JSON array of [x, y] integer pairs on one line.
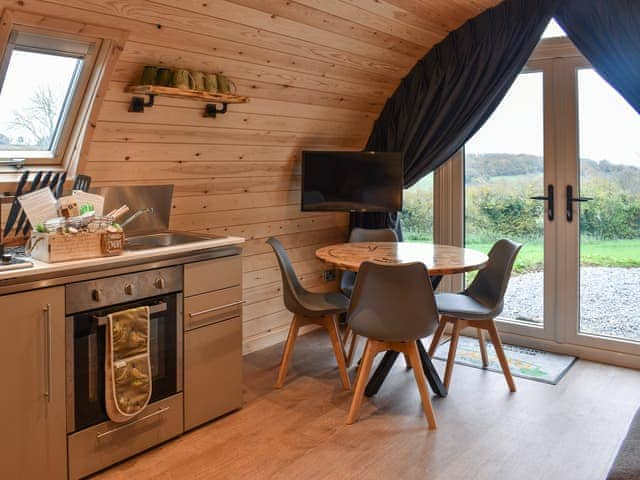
[[318, 72]]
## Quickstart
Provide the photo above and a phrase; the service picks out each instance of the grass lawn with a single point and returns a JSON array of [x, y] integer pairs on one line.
[[600, 253]]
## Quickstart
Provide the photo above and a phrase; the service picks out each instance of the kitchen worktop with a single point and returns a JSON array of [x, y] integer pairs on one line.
[[48, 270]]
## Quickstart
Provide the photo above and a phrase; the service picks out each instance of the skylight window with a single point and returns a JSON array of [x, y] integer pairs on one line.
[[43, 80]]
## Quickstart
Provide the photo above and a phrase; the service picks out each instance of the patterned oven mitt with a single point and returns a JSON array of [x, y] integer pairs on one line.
[[127, 363]]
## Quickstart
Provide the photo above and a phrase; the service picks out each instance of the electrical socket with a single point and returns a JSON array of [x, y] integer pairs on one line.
[[329, 275]]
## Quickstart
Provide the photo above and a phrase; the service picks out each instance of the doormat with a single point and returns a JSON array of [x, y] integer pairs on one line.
[[524, 362]]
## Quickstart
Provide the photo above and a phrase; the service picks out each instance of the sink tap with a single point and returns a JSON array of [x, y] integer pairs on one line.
[[139, 213]]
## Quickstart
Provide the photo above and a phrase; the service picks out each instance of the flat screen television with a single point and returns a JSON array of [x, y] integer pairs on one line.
[[352, 181]]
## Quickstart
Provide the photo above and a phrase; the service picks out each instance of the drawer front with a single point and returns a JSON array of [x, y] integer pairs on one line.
[[104, 444], [212, 307], [212, 371], [201, 277]]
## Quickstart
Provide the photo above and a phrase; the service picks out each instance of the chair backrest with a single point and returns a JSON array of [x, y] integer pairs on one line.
[[348, 279], [292, 290], [490, 284], [393, 302], [373, 235]]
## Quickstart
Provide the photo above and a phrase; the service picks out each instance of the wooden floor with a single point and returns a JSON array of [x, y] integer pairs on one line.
[[568, 431]]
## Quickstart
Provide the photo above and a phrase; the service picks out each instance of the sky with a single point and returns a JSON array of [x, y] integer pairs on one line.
[[27, 71], [608, 127]]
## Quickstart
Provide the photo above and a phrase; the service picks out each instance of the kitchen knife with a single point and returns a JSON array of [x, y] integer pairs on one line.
[[59, 188], [83, 182], [23, 216], [54, 181], [43, 184], [15, 206]]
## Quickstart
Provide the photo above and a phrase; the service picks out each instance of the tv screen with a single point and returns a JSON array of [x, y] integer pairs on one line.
[[352, 181]]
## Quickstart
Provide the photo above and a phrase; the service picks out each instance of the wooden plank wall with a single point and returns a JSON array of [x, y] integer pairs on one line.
[[317, 72]]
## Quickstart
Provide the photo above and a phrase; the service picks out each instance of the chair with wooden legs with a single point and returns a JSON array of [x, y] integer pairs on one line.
[[348, 278], [477, 307], [309, 308], [392, 306]]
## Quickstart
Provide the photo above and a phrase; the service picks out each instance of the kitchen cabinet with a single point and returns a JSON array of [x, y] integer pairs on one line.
[[212, 371], [32, 373], [212, 339]]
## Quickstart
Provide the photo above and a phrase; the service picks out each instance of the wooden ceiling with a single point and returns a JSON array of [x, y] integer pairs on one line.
[[318, 73]]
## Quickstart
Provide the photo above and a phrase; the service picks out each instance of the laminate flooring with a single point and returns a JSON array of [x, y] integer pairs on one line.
[[568, 431]]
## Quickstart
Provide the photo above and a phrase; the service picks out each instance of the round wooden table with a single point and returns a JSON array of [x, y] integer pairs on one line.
[[439, 259]]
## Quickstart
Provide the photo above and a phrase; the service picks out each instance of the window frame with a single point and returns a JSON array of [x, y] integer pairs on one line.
[[93, 82], [70, 107]]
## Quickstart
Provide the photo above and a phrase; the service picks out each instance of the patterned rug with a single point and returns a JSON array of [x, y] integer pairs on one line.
[[524, 362]]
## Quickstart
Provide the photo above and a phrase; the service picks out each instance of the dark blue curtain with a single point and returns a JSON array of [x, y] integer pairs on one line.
[[607, 33], [454, 89]]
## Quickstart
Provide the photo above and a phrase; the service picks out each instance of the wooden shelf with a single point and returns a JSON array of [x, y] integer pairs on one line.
[[186, 93]]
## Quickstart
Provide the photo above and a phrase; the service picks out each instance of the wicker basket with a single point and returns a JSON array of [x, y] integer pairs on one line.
[[61, 247]]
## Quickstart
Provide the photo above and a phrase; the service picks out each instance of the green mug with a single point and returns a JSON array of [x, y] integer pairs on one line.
[[149, 75], [198, 80], [182, 79], [164, 76], [211, 82], [225, 85]]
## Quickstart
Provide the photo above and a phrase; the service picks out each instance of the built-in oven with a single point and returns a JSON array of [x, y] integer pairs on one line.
[[87, 305]]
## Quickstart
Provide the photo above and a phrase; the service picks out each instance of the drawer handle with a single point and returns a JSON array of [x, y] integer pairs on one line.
[[214, 309], [141, 419]]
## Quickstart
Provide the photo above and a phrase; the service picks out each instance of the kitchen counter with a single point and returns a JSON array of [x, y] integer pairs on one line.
[[48, 274]]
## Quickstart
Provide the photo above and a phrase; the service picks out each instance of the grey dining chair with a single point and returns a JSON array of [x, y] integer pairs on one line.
[[348, 278], [308, 308], [477, 307], [392, 306]]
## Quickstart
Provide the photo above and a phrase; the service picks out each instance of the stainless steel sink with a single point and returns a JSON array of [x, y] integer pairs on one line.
[[164, 239]]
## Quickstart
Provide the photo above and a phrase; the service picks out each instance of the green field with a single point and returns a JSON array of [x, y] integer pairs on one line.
[[601, 253]]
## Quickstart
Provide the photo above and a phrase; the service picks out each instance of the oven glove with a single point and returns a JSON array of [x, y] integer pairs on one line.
[[127, 364]]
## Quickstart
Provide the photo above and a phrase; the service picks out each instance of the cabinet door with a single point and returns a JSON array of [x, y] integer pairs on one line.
[[212, 371], [32, 386]]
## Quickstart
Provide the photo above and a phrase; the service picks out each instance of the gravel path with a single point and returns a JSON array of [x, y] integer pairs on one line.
[[609, 303]]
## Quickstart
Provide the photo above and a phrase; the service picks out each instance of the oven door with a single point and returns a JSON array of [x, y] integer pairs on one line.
[[86, 366]]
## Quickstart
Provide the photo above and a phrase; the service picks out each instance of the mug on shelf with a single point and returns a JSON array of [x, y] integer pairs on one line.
[[225, 85], [164, 77], [182, 78], [211, 82], [149, 75], [198, 80]]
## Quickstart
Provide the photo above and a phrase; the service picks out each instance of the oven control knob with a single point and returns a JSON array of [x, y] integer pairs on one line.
[[95, 295], [128, 289], [160, 283]]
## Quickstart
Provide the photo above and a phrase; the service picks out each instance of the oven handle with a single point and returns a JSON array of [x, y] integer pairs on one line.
[[138, 420], [157, 308], [215, 309]]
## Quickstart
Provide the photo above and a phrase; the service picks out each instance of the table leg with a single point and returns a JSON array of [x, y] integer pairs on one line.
[[435, 281], [381, 373], [430, 372]]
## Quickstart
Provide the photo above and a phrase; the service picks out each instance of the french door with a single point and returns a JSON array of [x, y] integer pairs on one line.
[[557, 167]]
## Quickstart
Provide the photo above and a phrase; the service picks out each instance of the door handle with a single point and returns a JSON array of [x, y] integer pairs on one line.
[[550, 201], [571, 199]]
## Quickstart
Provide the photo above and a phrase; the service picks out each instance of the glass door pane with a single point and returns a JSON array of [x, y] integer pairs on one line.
[[504, 166], [610, 223], [417, 211]]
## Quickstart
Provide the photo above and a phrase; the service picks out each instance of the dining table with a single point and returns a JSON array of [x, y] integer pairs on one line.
[[440, 260]]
